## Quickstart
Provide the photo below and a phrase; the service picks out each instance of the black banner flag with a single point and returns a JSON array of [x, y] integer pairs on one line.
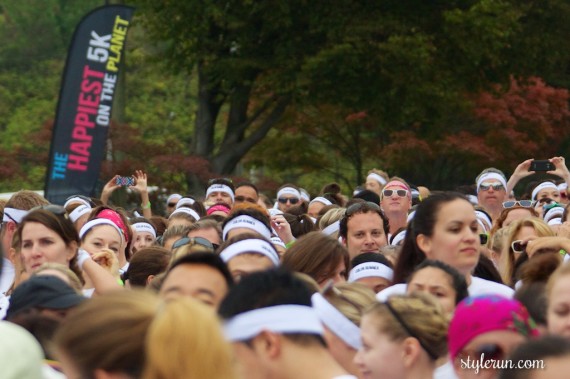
[[85, 102]]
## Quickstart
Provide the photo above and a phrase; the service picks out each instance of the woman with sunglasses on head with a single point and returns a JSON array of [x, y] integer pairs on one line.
[[402, 338], [396, 201], [487, 328], [47, 236], [513, 255], [444, 228]]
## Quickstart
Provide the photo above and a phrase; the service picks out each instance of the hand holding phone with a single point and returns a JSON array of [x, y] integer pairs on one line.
[[541, 165], [125, 181]]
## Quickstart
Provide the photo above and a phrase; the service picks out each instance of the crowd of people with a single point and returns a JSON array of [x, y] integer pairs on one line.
[[390, 281]]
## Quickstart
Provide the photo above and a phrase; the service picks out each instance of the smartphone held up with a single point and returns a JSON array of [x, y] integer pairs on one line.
[[125, 181], [541, 165]]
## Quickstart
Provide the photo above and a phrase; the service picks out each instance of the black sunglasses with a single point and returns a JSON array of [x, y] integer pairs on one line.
[[292, 200], [361, 206], [521, 203], [193, 241], [389, 192], [57, 210]]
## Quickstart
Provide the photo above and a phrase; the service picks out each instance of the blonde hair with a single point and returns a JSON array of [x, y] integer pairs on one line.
[[74, 281], [331, 216], [185, 341], [507, 260], [108, 332], [422, 315], [351, 299]]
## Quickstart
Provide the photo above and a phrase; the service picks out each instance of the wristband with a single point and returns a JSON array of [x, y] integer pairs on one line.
[[146, 206], [289, 244], [82, 257]]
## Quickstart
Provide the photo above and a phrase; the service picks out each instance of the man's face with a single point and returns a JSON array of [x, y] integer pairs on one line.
[[365, 233], [246, 193], [171, 206], [491, 193], [395, 199], [199, 281], [220, 197]]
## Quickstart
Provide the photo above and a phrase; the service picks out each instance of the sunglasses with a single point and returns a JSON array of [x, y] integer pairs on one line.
[[57, 210], [483, 238], [171, 205], [360, 207], [485, 353], [292, 200], [193, 241], [519, 246], [520, 203], [545, 200], [389, 192], [487, 187]]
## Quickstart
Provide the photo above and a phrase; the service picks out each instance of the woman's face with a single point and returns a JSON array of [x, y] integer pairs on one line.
[[558, 312], [43, 245], [374, 186], [526, 233], [516, 214], [549, 193], [102, 237], [315, 208], [379, 357], [245, 264], [142, 240], [436, 282], [454, 239], [338, 275], [341, 352]]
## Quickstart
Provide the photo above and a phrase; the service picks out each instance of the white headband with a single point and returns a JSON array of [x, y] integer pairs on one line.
[[552, 213], [411, 216], [277, 241], [274, 211], [562, 186], [338, 323], [289, 191], [377, 177], [320, 199], [144, 227], [98, 221], [252, 245], [398, 238], [305, 196], [473, 199], [332, 228], [220, 188], [76, 200], [555, 221], [542, 186], [174, 196], [14, 215], [491, 175], [246, 222], [81, 210], [185, 201], [280, 319], [188, 211], [487, 220], [370, 269]]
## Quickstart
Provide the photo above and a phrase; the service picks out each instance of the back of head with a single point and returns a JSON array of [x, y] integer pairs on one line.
[[25, 200], [146, 262], [108, 332], [300, 225], [368, 195], [266, 289], [351, 299], [417, 315], [179, 348]]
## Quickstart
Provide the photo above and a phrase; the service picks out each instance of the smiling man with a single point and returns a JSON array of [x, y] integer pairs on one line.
[[363, 229]]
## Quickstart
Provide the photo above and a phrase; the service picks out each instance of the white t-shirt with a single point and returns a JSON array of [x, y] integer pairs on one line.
[[477, 287]]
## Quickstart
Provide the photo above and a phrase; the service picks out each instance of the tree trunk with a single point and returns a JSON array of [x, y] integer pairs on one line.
[[210, 101]]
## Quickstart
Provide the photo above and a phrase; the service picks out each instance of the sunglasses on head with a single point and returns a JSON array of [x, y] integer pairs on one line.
[[519, 246], [495, 186], [389, 192], [57, 210], [520, 203], [361, 206], [292, 200], [193, 241]]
